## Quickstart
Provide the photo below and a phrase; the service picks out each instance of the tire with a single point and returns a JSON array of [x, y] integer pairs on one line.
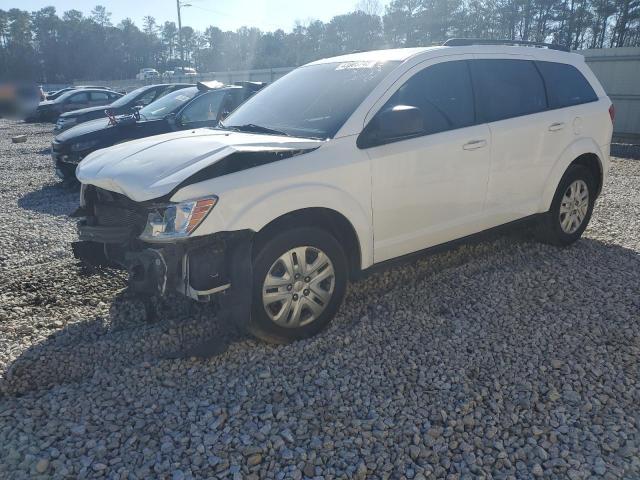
[[285, 309], [562, 228]]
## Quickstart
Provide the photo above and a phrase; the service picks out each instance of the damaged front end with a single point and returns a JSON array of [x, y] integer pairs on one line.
[[114, 231]]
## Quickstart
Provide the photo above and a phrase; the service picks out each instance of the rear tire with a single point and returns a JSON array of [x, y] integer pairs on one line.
[[571, 208], [299, 281]]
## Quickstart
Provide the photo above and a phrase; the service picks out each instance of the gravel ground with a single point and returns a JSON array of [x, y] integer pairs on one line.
[[502, 359]]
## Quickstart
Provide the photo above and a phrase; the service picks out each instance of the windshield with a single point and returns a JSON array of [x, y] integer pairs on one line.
[[312, 101], [129, 97], [168, 104]]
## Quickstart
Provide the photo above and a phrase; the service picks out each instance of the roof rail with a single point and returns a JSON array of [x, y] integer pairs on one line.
[[460, 42]]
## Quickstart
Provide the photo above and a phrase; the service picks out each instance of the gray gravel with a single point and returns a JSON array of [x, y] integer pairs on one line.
[[503, 359]]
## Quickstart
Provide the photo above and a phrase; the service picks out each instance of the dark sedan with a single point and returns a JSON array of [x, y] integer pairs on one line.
[[57, 93], [50, 110], [193, 107], [140, 97]]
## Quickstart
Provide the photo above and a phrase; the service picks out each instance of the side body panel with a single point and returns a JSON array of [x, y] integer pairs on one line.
[[336, 176]]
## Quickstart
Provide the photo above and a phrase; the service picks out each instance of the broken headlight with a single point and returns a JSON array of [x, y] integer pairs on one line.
[[177, 220]]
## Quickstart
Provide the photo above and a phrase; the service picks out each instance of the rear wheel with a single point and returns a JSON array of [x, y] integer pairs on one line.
[[299, 281], [571, 208]]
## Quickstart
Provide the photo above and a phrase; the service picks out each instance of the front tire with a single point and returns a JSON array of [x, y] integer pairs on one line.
[[571, 209], [299, 281]]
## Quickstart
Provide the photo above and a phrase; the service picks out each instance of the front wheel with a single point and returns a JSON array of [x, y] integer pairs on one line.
[[571, 209], [299, 281]]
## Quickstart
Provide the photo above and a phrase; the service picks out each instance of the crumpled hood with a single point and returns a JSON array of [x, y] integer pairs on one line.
[[152, 167]]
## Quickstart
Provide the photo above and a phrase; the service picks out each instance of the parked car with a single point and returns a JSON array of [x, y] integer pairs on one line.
[[57, 93], [203, 105], [147, 74], [347, 163], [138, 98], [185, 72], [50, 110]]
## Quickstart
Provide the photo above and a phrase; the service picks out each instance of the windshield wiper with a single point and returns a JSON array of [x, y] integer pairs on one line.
[[252, 127]]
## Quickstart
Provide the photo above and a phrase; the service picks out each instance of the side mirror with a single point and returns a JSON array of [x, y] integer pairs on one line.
[[393, 124]]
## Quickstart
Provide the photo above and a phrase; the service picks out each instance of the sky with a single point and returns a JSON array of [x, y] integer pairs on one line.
[[267, 15]]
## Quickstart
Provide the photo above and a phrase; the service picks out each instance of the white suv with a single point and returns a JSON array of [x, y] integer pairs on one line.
[[346, 163]]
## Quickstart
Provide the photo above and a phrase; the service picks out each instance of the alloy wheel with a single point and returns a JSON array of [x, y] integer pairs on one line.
[[574, 206]]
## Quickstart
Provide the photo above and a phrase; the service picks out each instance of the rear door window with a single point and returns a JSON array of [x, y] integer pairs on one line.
[[79, 98], [566, 86], [99, 96], [443, 93], [507, 88]]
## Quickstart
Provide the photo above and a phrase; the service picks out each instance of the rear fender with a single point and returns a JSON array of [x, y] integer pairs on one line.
[[573, 151]]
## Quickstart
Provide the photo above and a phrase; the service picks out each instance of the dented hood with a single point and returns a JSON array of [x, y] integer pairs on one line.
[[152, 167]]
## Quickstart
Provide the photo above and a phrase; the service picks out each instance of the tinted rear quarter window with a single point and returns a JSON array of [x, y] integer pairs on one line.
[[99, 96], [566, 86], [79, 98], [507, 88], [443, 93]]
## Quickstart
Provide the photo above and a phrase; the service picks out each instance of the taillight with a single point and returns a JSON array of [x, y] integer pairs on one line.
[[612, 112]]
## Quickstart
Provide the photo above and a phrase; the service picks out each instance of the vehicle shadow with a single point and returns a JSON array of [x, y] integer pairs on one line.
[[52, 199], [127, 335]]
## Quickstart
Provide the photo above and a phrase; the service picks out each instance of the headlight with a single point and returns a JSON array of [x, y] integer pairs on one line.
[[80, 146], [177, 220]]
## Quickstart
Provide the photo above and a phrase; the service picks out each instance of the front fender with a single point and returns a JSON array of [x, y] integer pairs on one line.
[[573, 151], [265, 208]]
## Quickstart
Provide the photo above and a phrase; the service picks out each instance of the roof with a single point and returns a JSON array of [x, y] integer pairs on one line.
[[392, 54], [402, 54]]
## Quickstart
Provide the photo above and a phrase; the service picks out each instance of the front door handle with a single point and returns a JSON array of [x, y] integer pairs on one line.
[[554, 127], [475, 144]]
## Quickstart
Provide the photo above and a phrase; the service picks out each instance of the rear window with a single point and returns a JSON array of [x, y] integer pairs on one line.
[[566, 86], [507, 88]]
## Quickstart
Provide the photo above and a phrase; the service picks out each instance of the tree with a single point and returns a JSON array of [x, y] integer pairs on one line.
[[149, 25], [100, 15], [169, 34], [45, 46], [370, 7], [401, 26]]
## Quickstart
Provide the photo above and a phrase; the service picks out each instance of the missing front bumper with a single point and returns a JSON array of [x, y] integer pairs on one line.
[[199, 268]]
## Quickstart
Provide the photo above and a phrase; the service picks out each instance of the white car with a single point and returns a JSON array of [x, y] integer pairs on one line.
[[147, 74], [346, 163]]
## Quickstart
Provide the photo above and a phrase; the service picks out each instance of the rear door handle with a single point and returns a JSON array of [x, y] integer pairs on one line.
[[474, 144], [554, 127]]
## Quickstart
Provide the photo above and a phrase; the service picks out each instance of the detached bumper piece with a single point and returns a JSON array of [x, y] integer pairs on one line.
[[148, 272]]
